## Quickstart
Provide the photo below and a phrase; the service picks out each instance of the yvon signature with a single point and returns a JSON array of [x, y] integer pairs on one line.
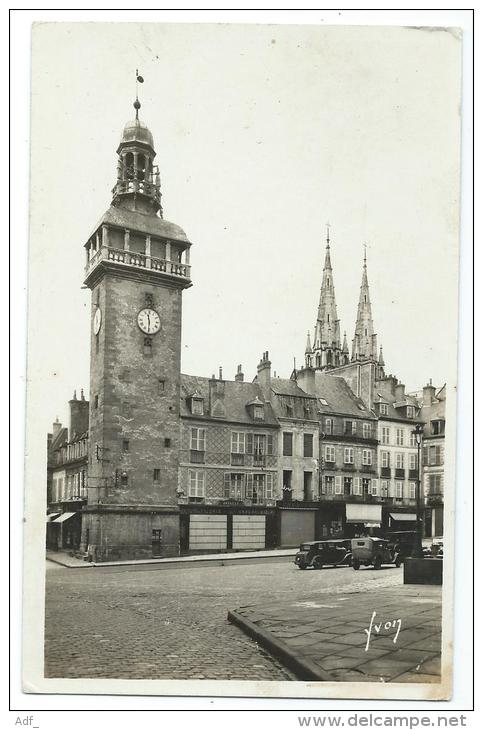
[[378, 627]]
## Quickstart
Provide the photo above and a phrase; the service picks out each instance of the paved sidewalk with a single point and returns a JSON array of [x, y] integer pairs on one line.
[[326, 638], [68, 561]]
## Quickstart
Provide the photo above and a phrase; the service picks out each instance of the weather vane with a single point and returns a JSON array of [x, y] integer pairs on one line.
[[137, 103]]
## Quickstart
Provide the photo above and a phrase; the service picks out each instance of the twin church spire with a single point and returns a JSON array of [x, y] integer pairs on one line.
[[327, 352]]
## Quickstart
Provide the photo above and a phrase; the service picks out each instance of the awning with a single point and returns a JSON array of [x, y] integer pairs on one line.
[[365, 513], [52, 516], [65, 516], [403, 516]]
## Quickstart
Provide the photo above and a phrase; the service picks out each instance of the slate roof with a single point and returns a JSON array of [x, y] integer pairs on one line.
[[290, 401], [136, 221], [283, 386], [339, 397], [398, 414], [237, 396]]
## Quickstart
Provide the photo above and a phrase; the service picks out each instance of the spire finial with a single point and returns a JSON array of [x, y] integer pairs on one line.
[[327, 225], [137, 103], [365, 254]]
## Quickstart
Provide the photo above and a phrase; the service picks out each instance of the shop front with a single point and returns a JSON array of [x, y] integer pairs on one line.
[[363, 519]]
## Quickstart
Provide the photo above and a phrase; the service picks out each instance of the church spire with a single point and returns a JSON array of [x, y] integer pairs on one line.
[[364, 344], [326, 345]]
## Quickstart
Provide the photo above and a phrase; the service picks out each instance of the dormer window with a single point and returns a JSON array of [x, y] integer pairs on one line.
[[437, 428], [410, 411], [383, 409], [197, 406], [256, 409]]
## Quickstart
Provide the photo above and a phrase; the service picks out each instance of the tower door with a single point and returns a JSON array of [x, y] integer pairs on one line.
[[157, 543]]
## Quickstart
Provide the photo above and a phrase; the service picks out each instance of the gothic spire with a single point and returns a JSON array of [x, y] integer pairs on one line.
[[364, 345], [326, 344]]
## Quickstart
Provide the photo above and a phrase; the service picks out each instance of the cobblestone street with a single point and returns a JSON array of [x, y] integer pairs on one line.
[[172, 624]]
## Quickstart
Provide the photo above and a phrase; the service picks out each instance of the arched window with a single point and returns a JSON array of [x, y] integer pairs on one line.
[[141, 167], [129, 166]]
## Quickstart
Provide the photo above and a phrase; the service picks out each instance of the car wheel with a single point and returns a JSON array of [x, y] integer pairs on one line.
[[397, 562], [302, 567], [317, 564], [377, 564], [356, 565]]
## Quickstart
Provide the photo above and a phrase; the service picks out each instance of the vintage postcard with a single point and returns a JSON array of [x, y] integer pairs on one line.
[[244, 249]]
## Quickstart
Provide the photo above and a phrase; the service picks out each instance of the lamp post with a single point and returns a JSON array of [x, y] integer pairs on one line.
[[417, 551]]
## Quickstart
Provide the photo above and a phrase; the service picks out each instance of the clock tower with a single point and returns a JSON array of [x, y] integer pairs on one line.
[[137, 265]]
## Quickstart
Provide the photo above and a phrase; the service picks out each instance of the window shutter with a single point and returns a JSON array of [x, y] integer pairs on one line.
[[269, 486], [357, 485], [227, 484], [249, 443], [438, 455], [249, 486], [338, 485], [234, 443], [270, 444]]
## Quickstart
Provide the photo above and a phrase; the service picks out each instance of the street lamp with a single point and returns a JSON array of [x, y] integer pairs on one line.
[[417, 551]]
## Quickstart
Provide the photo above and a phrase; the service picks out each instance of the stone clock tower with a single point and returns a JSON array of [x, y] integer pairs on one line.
[[137, 265]]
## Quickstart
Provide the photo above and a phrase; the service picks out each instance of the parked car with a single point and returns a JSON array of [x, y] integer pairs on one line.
[[401, 542], [323, 552], [374, 551]]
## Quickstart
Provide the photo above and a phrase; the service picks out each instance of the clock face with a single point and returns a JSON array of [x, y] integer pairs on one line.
[[97, 321], [149, 321]]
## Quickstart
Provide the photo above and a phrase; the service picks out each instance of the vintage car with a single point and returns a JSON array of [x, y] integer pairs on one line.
[[401, 542], [374, 551], [323, 552]]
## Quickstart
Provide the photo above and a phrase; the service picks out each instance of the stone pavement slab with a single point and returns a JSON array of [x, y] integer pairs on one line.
[[327, 640]]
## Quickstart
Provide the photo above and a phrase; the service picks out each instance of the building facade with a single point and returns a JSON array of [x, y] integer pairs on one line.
[[433, 405], [67, 453], [228, 477]]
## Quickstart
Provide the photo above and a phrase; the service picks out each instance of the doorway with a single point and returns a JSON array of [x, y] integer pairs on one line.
[[157, 543]]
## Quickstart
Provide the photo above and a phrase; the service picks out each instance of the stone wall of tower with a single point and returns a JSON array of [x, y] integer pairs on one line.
[[134, 396]]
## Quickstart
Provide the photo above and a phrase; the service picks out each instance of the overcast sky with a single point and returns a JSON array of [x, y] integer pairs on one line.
[[263, 134]]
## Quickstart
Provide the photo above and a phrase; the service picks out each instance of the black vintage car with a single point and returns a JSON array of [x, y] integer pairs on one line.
[[323, 552], [401, 542]]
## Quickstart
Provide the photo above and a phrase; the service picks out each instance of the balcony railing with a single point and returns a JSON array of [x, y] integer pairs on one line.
[[139, 261]]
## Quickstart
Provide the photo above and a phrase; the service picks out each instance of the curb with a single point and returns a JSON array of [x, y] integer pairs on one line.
[[185, 562], [304, 669]]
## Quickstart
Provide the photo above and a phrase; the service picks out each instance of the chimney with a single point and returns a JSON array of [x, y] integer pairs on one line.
[[264, 375], [79, 416], [220, 373], [399, 391], [306, 380], [239, 375], [429, 391], [56, 426]]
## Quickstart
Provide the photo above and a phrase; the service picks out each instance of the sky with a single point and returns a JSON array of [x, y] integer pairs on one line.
[[263, 135]]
